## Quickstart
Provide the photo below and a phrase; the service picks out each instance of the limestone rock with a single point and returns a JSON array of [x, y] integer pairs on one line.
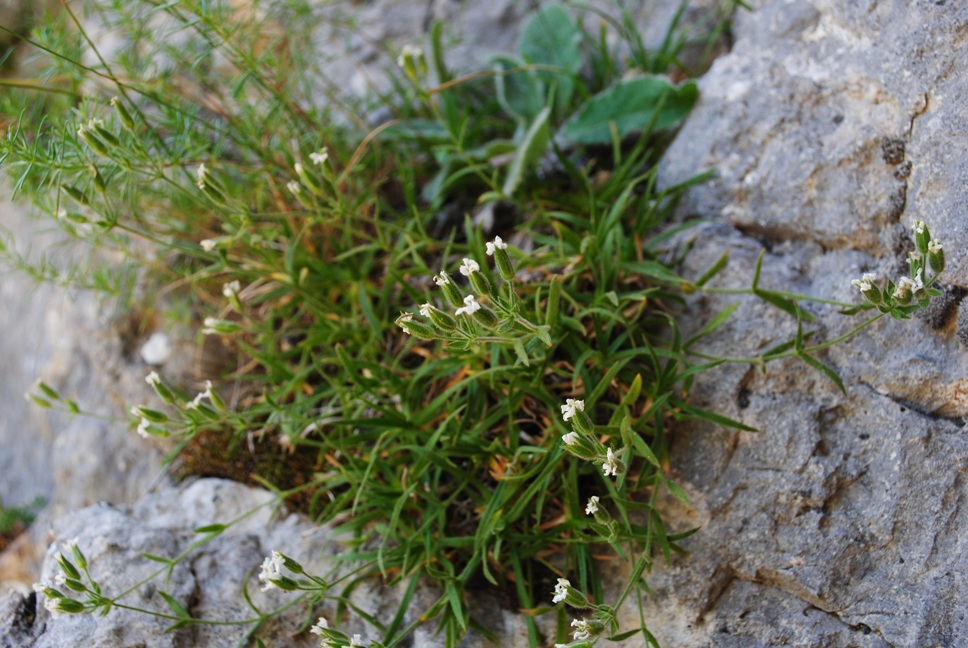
[[831, 128]]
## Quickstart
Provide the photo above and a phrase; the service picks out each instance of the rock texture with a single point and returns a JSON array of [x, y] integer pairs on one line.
[[832, 126]]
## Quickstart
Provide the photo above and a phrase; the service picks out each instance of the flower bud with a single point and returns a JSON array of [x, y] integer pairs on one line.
[[486, 316], [123, 113], [67, 567], [582, 445], [480, 283], [68, 605], [291, 564], [75, 585], [99, 182], [565, 592], [587, 628], [77, 553], [48, 391], [284, 583], [310, 182], [213, 326], [160, 388], [903, 294], [412, 327], [869, 289], [76, 194], [451, 292], [411, 60], [153, 415], [936, 256], [95, 144], [921, 236], [441, 320]]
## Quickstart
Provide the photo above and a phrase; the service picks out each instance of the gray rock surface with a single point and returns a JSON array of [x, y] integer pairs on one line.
[[208, 582], [73, 343], [832, 127]]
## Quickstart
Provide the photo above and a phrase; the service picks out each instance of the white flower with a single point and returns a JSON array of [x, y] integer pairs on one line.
[[299, 168], [469, 267], [94, 123], [201, 175], [209, 324], [592, 507], [321, 624], [402, 322], [53, 606], [571, 407], [207, 244], [571, 438], [231, 288], [40, 587], [904, 284], [582, 631], [157, 349], [143, 428], [919, 281], [408, 52], [561, 590], [356, 642], [610, 465], [441, 280], [425, 309], [205, 394], [864, 283], [919, 227], [271, 570], [320, 157], [934, 246], [153, 378], [470, 305], [294, 187], [60, 578], [497, 244]]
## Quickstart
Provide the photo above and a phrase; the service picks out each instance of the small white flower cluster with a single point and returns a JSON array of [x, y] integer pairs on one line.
[[196, 402], [56, 602], [582, 443], [864, 283], [408, 52], [561, 590], [469, 267], [927, 255], [272, 571], [319, 158], [469, 305], [583, 630], [572, 407], [493, 246], [201, 176], [321, 629], [232, 288]]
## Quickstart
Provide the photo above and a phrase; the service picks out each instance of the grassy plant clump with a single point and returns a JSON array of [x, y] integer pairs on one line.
[[452, 333]]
